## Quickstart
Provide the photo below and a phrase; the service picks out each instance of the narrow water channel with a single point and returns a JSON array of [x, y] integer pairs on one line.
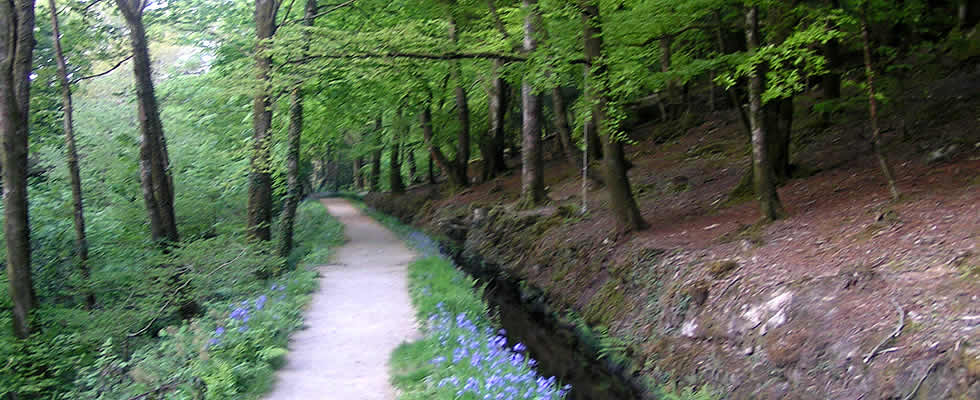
[[556, 347]]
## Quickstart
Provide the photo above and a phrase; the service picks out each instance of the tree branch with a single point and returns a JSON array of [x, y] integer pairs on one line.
[[423, 56], [654, 39], [326, 11], [104, 73]]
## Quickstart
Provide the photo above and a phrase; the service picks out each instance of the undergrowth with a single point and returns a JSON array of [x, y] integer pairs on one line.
[[134, 346]]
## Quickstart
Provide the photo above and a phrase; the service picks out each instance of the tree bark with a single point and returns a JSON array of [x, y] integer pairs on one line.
[[75, 180], [779, 127], [295, 132], [494, 162], [395, 182], [16, 52], [572, 154], [435, 153], [432, 172], [462, 161], [260, 180], [873, 110], [154, 161], [532, 170], [621, 199], [412, 166], [358, 174], [765, 187]]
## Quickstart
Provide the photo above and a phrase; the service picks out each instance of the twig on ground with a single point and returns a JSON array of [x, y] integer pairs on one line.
[[922, 379], [898, 331]]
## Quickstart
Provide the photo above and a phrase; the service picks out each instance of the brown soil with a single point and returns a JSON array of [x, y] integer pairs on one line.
[[785, 310]]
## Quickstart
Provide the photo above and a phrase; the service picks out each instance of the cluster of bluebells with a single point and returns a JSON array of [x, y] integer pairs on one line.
[[242, 313], [482, 366], [423, 243]]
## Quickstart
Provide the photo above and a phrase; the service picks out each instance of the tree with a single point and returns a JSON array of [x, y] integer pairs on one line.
[[155, 177], [532, 170], [873, 106], [16, 52], [374, 180], [765, 186], [293, 152], [395, 182], [78, 211], [621, 199], [260, 179], [462, 162]]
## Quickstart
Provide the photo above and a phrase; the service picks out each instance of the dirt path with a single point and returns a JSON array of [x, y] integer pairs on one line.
[[361, 312]]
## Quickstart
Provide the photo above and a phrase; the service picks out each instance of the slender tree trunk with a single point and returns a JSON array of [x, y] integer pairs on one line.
[[154, 160], [873, 110], [81, 242], [494, 159], [435, 154], [295, 132], [395, 182], [260, 180], [16, 52], [572, 154], [765, 188], [412, 166], [832, 80], [395, 169], [358, 175], [778, 115], [621, 199], [463, 111], [432, 171], [374, 181], [671, 89], [532, 170]]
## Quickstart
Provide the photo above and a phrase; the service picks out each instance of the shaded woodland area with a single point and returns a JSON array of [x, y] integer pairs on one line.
[[155, 152]]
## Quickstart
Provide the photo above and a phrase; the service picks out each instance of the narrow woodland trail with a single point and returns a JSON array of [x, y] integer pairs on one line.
[[360, 313]]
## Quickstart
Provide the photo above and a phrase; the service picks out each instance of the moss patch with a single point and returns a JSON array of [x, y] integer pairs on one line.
[[607, 304]]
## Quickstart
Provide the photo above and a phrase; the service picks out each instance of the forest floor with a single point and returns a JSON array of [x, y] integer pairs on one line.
[[848, 253], [357, 317]]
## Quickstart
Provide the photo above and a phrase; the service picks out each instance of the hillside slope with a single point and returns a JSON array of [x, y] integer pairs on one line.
[[798, 309]]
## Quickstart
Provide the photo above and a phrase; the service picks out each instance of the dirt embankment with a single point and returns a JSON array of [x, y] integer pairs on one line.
[[804, 308]]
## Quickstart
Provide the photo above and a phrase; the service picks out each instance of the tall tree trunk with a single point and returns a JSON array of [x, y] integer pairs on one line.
[[412, 166], [778, 115], [673, 97], [395, 182], [432, 171], [532, 170], [765, 188], [374, 181], [358, 174], [621, 199], [435, 153], [260, 180], [572, 154], [16, 52], [873, 110], [292, 153], [154, 161], [463, 111], [498, 115], [831, 81], [81, 242]]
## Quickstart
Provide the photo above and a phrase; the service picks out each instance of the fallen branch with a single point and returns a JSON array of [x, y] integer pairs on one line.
[[898, 331], [177, 291], [922, 379]]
